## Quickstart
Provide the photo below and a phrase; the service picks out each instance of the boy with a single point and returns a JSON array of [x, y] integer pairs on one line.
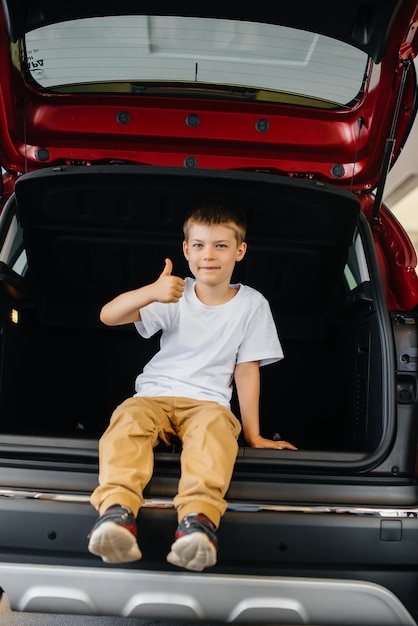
[[213, 332]]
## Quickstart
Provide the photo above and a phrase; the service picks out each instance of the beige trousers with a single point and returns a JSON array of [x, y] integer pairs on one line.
[[208, 432]]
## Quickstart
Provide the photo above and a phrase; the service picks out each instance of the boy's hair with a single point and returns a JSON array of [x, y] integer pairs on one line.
[[210, 211]]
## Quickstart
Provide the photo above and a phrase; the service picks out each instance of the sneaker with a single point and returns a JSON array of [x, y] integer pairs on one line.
[[113, 536], [196, 545]]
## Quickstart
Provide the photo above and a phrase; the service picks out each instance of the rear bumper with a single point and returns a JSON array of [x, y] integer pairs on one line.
[[186, 596], [277, 564]]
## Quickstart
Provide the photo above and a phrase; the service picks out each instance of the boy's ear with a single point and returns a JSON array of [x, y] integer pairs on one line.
[[242, 249], [186, 250]]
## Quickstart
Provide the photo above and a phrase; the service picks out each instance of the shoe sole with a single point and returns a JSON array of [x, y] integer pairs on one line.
[[114, 544], [193, 552]]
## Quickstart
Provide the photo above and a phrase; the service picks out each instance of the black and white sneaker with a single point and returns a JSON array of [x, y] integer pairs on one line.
[[196, 544], [113, 536]]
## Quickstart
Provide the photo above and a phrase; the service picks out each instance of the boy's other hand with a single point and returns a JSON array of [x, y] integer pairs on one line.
[[281, 444], [168, 288]]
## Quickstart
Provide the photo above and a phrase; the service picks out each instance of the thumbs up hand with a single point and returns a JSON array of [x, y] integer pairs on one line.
[[168, 288]]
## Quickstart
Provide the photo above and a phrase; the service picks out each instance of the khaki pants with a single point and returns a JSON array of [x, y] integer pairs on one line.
[[208, 432]]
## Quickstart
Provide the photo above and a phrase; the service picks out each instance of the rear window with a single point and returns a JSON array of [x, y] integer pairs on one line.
[[205, 57]]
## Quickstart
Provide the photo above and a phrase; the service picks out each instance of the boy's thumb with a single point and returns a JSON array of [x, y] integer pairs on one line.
[[168, 268]]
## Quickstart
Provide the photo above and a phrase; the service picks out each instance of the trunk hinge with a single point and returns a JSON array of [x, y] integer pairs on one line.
[[390, 141]]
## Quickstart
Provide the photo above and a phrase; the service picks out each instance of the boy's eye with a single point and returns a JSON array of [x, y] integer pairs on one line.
[[201, 245]]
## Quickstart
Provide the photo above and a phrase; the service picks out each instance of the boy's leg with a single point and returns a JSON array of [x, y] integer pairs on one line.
[[126, 464], [209, 434]]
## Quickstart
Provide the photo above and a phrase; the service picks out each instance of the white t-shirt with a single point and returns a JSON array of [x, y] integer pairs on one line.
[[200, 345]]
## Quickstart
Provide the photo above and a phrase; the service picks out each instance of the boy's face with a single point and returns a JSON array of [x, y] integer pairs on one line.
[[212, 252]]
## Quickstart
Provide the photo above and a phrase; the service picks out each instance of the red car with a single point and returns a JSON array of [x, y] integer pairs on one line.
[[113, 122]]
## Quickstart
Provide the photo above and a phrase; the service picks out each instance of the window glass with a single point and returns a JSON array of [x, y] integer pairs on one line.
[[12, 249], [138, 52], [356, 270]]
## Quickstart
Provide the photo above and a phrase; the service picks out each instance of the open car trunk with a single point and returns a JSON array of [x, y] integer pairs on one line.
[[91, 233], [78, 236]]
